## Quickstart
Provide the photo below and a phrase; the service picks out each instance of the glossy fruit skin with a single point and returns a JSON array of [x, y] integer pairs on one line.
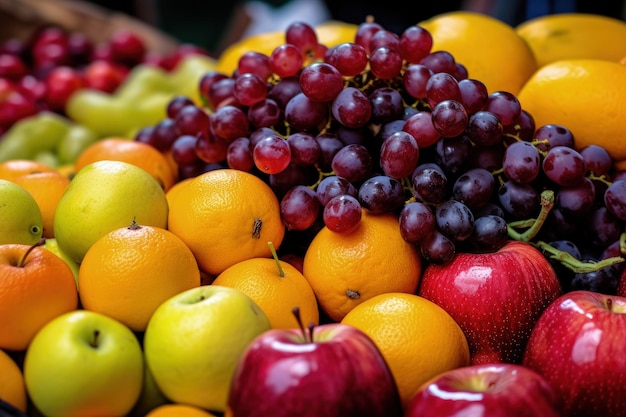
[[340, 373], [495, 297], [494, 390], [578, 346]]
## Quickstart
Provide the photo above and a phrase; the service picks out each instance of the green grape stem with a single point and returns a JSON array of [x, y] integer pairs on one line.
[[532, 228]]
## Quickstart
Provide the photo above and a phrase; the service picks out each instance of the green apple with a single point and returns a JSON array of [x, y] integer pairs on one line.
[[103, 196], [194, 340], [21, 220], [53, 246], [84, 363]]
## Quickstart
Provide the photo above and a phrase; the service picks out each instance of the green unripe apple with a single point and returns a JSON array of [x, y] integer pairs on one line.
[[21, 220]]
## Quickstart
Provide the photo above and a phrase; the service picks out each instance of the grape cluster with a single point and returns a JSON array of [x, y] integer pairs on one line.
[[389, 125]]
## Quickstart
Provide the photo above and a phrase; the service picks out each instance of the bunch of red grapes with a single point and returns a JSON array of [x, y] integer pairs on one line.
[[388, 125]]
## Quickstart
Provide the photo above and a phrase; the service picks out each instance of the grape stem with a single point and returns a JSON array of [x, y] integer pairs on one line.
[[533, 226]]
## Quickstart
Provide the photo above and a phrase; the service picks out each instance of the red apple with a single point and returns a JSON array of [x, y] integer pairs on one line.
[[104, 75], [331, 370], [60, 84], [495, 297], [621, 284], [579, 346], [494, 390], [127, 47]]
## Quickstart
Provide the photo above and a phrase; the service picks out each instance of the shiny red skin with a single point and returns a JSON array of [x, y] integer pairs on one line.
[[496, 298], [487, 390], [579, 346], [340, 374]]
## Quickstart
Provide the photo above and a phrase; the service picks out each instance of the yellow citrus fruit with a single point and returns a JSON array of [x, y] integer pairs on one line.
[[588, 96], [178, 410], [13, 168], [226, 216], [417, 338], [137, 153], [47, 189], [276, 294], [553, 37], [489, 48], [346, 269], [130, 271], [329, 33], [12, 388]]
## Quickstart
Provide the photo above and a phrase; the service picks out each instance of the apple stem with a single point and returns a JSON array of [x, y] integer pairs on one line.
[[609, 304], [296, 313], [94, 342], [310, 328], [281, 272], [22, 260]]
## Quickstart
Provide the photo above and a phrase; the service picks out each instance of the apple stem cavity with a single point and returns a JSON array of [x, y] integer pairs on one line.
[[22, 261], [533, 226], [281, 271]]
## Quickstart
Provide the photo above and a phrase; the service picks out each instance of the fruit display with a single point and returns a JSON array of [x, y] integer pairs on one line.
[[325, 220]]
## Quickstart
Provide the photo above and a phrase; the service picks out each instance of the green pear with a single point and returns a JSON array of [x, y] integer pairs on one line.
[[20, 217], [104, 196]]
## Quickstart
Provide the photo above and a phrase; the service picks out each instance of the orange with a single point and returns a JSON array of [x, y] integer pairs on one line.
[[588, 96], [489, 48], [36, 286], [226, 216], [178, 410], [137, 153], [553, 37], [12, 388], [276, 294], [417, 338], [128, 272], [13, 168], [329, 33], [346, 269], [47, 189], [173, 191]]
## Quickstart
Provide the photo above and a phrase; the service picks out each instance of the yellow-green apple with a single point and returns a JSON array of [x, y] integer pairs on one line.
[[52, 245], [194, 339], [84, 363], [103, 196], [578, 345], [330, 370], [495, 297], [494, 390], [21, 220]]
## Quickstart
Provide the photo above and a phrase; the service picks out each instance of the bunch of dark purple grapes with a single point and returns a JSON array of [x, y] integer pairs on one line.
[[388, 125]]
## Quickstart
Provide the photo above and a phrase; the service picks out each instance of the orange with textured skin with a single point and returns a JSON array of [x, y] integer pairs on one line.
[[36, 286], [129, 272], [417, 338], [226, 216], [346, 269], [9, 170], [178, 410]]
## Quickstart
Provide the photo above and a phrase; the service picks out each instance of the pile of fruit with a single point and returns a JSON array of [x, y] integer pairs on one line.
[[332, 221]]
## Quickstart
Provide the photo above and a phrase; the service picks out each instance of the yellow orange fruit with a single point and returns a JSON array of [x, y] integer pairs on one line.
[[36, 286], [588, 96], [489, 48], [130, 271], [13, 168], [178, 410], [47, 189], [276, 294], [557, 36], [139, 154], [226, 216], [346, 269], [12, 387], [417, 338]]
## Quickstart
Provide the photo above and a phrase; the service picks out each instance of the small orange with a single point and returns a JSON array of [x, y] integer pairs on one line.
[[13, 168], [417, 338], [489, 48], [128, 272], [12, 387], [346, 269], [47, 189], [226, 216], [588, 96], [36, 286], [276, 291], [178, 410], [137, 153]]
